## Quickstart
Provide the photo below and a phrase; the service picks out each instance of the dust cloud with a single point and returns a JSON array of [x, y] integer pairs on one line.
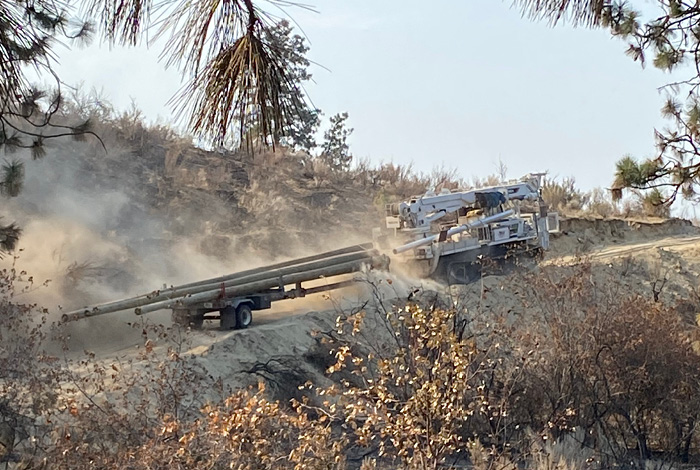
[[89, 236], [87, 241]]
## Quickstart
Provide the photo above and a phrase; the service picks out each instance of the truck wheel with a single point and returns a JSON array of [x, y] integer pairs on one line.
[[244, 316]]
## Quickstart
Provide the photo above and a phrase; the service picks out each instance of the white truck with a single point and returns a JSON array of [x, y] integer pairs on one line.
[[448, 235]]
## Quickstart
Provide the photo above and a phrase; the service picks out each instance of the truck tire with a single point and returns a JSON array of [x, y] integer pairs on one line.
[[244, 316]]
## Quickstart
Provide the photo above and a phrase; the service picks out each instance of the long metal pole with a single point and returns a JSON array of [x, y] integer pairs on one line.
[[294, 262], [455, 230], [180, 291], [254, 287], [158, 295]]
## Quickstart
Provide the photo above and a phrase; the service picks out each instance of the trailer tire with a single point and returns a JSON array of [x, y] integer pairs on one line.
[[244, 316]]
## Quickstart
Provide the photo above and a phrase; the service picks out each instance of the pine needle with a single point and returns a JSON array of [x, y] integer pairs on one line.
[[9, 236], [576, 12], [241, 87], [122, 21], [12, 178]]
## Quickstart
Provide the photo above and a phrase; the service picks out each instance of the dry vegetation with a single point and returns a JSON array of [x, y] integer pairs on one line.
[[580, 366], [565, 197], [234, 198]]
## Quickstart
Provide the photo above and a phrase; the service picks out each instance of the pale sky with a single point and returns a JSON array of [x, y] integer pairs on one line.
[[462, 83]]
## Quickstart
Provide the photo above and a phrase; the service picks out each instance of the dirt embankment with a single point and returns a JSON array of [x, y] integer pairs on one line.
[[586, 235]]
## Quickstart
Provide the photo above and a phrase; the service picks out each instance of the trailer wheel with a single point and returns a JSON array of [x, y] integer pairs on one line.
[[244, 316]]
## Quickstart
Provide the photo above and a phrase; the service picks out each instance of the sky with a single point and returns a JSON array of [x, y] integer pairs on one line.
[[461, 83]]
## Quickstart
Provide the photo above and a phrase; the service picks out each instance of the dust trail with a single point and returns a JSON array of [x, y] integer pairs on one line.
[[86, 239], [93, 231]]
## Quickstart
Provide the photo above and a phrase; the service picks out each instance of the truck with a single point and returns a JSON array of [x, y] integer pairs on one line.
[[449, 236]]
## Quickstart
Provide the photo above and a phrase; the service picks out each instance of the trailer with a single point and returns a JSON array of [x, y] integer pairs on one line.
[[233, 298]]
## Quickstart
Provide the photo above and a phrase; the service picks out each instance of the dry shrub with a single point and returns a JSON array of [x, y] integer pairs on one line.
[[389, 182], [27, 386], [419, 395], [601, 204], [73, 413], [576, 369], [618, 365], [563, 195], [246, 431], [251, 432], [577, 373]]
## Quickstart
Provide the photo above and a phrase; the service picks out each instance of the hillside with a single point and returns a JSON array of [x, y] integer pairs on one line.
[[593, 264], [634, 255], [155, 210]]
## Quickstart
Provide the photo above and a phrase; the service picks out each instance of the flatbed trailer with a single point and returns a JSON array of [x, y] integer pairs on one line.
[[237, 312], [232, 298]]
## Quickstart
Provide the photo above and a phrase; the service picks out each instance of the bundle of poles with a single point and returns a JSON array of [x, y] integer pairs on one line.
[[253, 281]]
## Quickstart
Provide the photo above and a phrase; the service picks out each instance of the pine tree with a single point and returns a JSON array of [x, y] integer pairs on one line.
[[9, 236], [28, 31], [242, 78], [336, 151], [667, 40], [246, 72], [292, 49]]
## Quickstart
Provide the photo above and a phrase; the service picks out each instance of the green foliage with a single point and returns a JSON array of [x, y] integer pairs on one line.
[[668, 39], [630, 173], [28, 115], [11, 178], [565, 197], [11, 182], [299, 131], [245, 68], [27, 34], [654, 203], [587, 12], [335, 149], [241, 79], [9, 236]]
